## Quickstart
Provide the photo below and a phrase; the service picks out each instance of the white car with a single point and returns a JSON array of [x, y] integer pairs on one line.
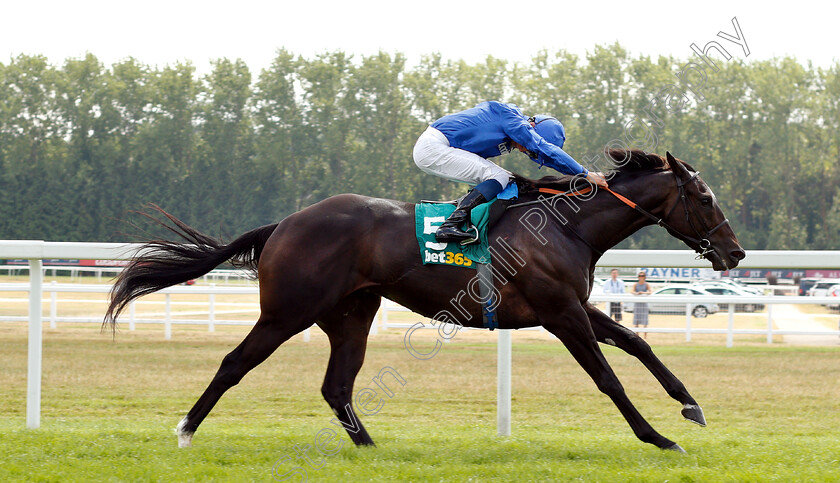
[[834, 291], [699, 310], [820, 289], [736, 285], [718, 288]]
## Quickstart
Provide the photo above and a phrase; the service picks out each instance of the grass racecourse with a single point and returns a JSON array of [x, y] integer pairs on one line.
[[110, 406]]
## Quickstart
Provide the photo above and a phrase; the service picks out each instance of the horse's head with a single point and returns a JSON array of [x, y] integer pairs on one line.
[[695, 217]]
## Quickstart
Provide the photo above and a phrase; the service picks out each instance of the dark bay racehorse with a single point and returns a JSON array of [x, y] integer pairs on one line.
[[332, 262]]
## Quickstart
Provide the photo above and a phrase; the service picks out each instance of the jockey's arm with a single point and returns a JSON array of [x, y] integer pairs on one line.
[[521, 132]]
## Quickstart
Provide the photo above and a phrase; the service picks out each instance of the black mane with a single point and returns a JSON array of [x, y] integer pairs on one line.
[[635, 160], [621, 161]]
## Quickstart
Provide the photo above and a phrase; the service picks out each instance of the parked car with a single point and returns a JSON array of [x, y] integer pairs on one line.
[[698, 310], [805, 284], [727, 289], [820, 289], [737, 285], [834, 291]]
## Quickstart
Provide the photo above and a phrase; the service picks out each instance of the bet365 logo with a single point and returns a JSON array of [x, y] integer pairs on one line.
[[433, 252]]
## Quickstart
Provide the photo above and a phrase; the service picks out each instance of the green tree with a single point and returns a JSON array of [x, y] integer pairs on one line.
[[230, 150], [280, 150], [168, 145], [224, 166], [383, 130], [327, 124], [32, 148]]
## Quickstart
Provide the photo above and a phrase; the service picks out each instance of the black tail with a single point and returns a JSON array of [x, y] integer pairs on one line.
[[160, 263]]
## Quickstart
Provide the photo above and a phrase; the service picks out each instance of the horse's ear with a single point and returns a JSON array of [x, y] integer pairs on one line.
[[676, 166]]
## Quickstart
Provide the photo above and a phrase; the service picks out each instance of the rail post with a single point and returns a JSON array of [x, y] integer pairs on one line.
[[730, 326], [688, 322], [374, 327], [33, 373], [211, 316], [769, 323], [53, 304], [167, 322], [503, 383]]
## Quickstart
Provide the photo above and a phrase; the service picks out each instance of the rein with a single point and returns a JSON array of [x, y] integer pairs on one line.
[[558, 193], [549, 191], [702, 240]]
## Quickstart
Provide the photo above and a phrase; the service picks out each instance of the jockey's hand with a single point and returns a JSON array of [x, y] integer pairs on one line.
[[597, 178]]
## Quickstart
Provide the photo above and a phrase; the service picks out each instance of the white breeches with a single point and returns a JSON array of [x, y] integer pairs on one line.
[[434, 155]]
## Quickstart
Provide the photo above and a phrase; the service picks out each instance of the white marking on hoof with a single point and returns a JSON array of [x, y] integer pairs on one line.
[[185, 440], [184, 437]]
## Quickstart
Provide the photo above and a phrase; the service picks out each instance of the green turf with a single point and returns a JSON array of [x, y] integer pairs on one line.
[[109, 406]]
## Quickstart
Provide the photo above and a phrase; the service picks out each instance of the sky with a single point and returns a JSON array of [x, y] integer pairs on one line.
[[158, 33]]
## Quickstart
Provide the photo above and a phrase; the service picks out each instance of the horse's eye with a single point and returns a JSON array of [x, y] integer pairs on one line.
[[706, 201]]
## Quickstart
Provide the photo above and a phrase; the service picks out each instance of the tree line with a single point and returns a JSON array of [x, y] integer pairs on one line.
[[82, 144]]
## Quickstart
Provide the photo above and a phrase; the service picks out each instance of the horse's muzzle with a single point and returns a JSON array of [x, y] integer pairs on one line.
[[722, 262], [735, 256]]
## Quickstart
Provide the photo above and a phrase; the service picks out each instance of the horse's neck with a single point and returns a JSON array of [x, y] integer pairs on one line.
[[609, 221]]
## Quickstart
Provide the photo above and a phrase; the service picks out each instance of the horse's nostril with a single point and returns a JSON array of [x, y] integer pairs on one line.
[[737, 254]]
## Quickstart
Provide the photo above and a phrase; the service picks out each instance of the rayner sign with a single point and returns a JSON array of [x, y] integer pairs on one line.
[[680, 273]]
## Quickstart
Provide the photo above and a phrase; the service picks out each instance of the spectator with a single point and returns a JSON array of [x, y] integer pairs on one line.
[[614, 285], [640, 310]]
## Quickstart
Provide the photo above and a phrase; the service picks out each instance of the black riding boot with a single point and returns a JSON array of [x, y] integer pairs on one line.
[[450, 230]]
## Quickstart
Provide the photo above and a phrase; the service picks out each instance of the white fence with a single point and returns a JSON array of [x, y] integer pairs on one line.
[[224, 275], [210, 316], [36, 250]]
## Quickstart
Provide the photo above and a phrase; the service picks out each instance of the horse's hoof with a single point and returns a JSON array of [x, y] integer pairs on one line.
[[185, 440], [675, 447], [184, 437], [693, 413]]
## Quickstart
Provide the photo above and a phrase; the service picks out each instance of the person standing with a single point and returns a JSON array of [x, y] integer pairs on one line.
[[614, 285], [640, 309]]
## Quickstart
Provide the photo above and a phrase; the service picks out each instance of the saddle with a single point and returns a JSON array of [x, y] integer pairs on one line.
[[428, 214]]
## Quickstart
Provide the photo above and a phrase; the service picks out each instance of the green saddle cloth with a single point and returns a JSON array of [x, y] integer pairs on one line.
[[429, 216]]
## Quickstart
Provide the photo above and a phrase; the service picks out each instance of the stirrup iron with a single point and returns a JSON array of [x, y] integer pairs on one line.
[[469, 241]]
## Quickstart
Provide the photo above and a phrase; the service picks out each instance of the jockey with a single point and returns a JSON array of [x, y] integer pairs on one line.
[[456, 146]]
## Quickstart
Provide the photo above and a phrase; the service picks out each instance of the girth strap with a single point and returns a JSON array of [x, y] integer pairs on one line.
[[485, 289]]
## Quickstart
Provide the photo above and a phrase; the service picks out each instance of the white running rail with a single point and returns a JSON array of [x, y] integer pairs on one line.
[[37, 250]]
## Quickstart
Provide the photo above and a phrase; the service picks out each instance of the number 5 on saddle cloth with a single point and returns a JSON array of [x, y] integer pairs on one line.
[[430, 215]]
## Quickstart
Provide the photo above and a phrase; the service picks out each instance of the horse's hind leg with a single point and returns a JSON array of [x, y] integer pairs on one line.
[[347, 327], [610, 332], [264, 338]]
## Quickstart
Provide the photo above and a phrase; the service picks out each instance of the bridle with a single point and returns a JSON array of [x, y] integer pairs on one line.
[[701, 240]]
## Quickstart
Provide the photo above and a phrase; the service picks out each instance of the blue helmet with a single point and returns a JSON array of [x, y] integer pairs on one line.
[[550, 129]]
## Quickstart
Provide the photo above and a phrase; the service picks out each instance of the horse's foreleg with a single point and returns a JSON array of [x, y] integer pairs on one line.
[[611, 332], [264, 338], [347, 327], [574, 331]]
